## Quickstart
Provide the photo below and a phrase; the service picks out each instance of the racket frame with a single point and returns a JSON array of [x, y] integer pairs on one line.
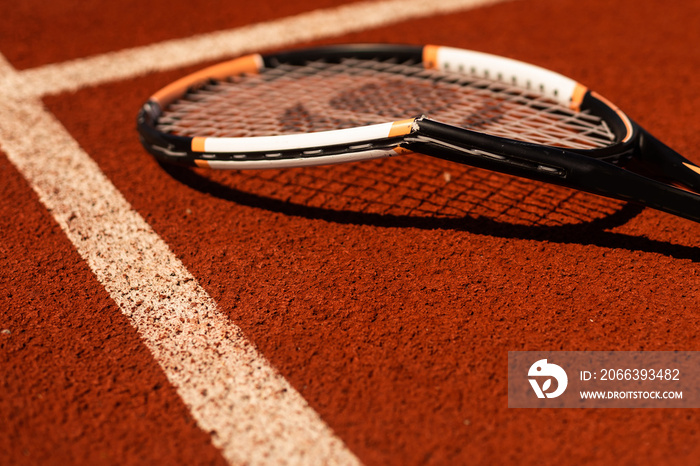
[[593, 170]]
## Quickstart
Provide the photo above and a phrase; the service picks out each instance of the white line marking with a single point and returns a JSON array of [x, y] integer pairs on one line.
[[332, 22], [253, 414], [251, 411]]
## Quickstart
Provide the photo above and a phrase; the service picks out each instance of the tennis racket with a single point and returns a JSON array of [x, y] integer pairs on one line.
[[356, 102]]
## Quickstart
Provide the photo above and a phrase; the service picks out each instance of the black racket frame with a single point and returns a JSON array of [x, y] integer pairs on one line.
[[637, 167]]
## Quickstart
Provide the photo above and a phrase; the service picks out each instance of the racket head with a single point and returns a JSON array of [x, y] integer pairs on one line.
[[354, 102]]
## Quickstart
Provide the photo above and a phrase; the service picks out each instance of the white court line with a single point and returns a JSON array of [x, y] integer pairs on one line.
[[253, 414], [332, 22], [251, 411]]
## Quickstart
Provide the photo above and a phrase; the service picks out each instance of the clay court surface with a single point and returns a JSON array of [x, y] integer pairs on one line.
[[352, 314]]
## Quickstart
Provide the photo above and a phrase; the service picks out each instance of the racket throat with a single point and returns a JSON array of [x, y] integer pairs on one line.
[[660, 159], [484, 151]]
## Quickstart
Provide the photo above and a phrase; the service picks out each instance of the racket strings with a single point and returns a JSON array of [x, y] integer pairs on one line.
[[323, 95]]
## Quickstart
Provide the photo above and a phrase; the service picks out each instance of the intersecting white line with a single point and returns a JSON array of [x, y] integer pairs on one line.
[[172, 54], [252, 413]]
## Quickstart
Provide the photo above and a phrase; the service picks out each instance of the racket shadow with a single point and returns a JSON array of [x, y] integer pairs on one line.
[[421, 192]]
